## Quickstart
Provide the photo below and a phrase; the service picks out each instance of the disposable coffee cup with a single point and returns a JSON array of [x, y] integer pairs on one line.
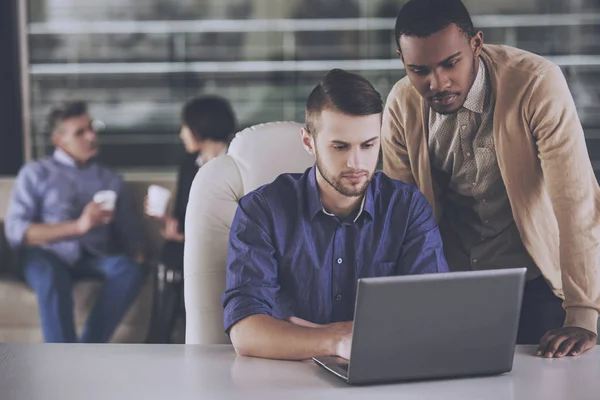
[[107, 199], [158, 200]]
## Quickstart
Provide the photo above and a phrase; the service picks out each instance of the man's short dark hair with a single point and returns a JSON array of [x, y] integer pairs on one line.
[[63, 111], [422, 18], [344, 92], [209, 118]]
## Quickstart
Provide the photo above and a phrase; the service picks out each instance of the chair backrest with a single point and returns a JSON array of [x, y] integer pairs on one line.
[[256, 156]]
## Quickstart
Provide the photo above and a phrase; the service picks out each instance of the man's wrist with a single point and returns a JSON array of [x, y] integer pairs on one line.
[[586, 318], [332, 342], [76, 228]]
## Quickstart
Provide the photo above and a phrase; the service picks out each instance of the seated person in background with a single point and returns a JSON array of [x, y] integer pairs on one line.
[[207, 125], [299, 245], [63, 234]]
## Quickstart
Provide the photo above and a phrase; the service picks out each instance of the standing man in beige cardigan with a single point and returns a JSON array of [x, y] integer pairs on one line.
[[490, 135]]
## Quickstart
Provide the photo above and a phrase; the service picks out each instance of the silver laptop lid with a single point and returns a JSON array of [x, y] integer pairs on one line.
[[435, 325]]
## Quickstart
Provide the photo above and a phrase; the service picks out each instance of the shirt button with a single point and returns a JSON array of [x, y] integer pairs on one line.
[[338, 297], [339, 260], [475, 261], [474, 184], [468, 154], [463, 127]]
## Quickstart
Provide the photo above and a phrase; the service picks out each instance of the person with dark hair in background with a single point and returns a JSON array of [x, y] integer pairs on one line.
[[490, 135], [207, 126], [299, 244], [65, 212]]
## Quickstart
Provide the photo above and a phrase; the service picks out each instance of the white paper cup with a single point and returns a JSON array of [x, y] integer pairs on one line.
[[158, 199], [107, 199]]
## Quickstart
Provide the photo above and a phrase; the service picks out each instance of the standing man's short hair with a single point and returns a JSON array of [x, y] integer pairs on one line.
[[344, 92], [422, 18]]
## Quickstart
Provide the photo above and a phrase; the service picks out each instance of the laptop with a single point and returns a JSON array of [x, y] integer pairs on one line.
[[432, 326]]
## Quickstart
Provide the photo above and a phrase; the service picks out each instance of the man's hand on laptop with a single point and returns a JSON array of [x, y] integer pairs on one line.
[[568, 340], [341, 333]]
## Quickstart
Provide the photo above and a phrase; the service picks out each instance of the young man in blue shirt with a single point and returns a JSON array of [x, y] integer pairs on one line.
[[299, 245]]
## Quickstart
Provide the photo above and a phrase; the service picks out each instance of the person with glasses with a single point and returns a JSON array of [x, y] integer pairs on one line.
[[66, 212]]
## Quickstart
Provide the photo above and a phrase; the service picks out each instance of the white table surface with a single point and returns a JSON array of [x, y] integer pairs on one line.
[[146, 372]]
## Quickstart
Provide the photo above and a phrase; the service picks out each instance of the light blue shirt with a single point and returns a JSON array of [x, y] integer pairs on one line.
[[54, 189]]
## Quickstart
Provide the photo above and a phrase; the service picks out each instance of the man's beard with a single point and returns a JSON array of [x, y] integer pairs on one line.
[[336, 182], [474, 71]]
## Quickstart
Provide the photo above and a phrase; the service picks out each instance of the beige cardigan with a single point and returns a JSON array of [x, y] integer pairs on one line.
[[543, 161]]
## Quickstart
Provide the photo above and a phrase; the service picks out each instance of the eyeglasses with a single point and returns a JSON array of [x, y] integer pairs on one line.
[[98, 126]]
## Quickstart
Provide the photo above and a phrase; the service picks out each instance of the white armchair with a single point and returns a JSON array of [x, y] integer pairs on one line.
[[256, 157]]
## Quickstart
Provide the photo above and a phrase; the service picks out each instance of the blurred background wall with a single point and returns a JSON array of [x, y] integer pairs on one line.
[[137, 61]]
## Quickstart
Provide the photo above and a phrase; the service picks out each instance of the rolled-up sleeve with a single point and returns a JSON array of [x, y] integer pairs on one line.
[[23, 209], [251, 284], [127, 222], [422, 249]]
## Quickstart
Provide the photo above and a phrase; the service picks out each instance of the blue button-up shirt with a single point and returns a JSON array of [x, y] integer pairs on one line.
[[288, 257], [55, 189]]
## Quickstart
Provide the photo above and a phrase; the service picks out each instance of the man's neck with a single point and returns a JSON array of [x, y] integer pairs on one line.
[[65, 157], [334, 202]]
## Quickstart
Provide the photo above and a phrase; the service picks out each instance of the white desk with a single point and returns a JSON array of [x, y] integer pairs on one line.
[[147, 372]]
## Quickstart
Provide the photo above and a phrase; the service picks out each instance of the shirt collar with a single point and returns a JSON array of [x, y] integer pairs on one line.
[[200, 160], [314, 199], [63, 158], [477, 94]]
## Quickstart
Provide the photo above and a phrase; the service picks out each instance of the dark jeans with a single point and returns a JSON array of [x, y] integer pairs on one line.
[[541, 311], [52, 281], [168, 294]]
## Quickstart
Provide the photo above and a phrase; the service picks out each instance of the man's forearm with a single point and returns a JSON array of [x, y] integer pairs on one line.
[[41, 234], [267, 337]]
